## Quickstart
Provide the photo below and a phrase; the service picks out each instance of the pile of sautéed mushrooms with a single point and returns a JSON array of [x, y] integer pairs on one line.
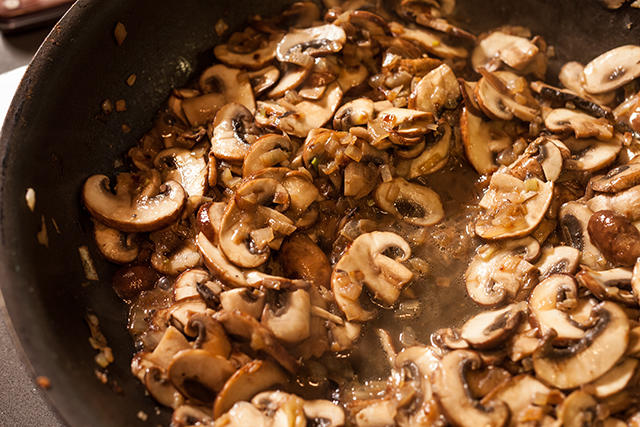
[[281, 205]]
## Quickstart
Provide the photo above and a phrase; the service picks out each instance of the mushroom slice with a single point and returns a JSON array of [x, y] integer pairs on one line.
[[200, 110], [513, 208], [245, 300], [436, 90], [353, 113], [618, 179], [558, 260], [171, 343], [520, 394], [232, 133], [208, 334], [186, 167], [289, 317], [613, 284], [352, 76], [324, 413], [405, 122], [450, 385], [571, 77], [429, 41], [114, 245], [232, 83], [551, 302], [365, 263], [581, 124], [578, 409], [301, 118], [625, 203], [302, 258], [516, 52], [491, 328], [434, 156], [413, 203], [246, 382], [499, 101], [186, 284], [263, 79], [160, 388], [590, 357], [218, 263], [482, 141], [300, 46], [612, 69], [190, 416], [616, 379], [268, 151], [561, 97], [293, 77], [199, 374], [249, 49], [591, 154], [500, 271], [574, 219], [616, 237], [129, 210]]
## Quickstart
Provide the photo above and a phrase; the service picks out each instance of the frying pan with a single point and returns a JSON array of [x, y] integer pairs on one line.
[[55, 136]]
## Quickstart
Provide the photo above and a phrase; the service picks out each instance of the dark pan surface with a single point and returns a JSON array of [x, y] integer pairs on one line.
[[54, 137]]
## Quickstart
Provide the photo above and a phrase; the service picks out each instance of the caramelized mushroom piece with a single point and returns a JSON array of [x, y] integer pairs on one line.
[[300, 46], [615, 236], [232, 132], [612, 69], [412, 203], [491, 328], [114, 245]]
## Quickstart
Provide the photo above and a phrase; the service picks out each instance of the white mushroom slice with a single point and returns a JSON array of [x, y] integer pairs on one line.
[[218, 263], [293, 77], [413, 203], [571, 77], [618, 179], [436, 90], [232, 133], [365, 263], [378, 413], [513, 207], [290, 318], [558, 260], [501, 271], [300, 46], [550, 303], [581, 124], [186, 167], [237, 56], [199, 374], [147, 209], [246, 300], [263, 79], [616, 379], [429, 41], [491, 328], [114, 245], [516, 52], [232, 83], [323, 412], [268, 151], [160, 388], [500, 102], [353, 113], [520, 394], [186, 284], [200, 110], [626, 203], [582, 362], [433, 158], [574, 219], [450, 385], [181, 311], [405, 122], [591, 154], [613, 284], [246, 382], [187, 416], [612, 69], [352, 76], [578, 409], [300, 118], [482, 141]]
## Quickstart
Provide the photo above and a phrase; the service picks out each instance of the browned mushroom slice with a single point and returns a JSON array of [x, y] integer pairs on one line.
[[359, 179], [353, 113], [413, 203], [249, 49], [578, 409], [624, 203], [520, 393], [246, 300], [323, 412], [300, 46], [436, 90], [232, 83], [613, 284], [114, 245], [218, 263], [482, 141], [558, 260], [501, 271], [429, 41], [199, 374], [172, 253], [200, 110], [268, 151], [516, 52], [612, 69], [260, 338], [289, 317], [133, 209], [581, 124], [246, 382], [187, 167], [560, 97], [186, 284], [591, 154], [450, 385], [208, 334], [301, 14], [491, 328], [352, 76], [302, 258], [365, 263], [594, 354], [574, 219], [188, 416], [513, 208], [406, 122], [616, 237], [432, 158], [618, 179], [293, 77], [263, 79], [551, 302], [160, 388], [616, 379], [496, 96], [232, 133], [571, 77]]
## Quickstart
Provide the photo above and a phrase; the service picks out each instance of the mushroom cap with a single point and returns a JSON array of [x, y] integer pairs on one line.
[[601, 347], [129, 213], [612, 69]]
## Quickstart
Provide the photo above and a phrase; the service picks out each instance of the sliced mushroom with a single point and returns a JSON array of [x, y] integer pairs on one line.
[[501, 271], [551, 302], [574, 219], [243, 414], [365, 263], [232, 83], [594, 354], [571, 77], [516, 52], [268, 151], [250, 49], [160, 388], [300, 46], [246, 300], [171, 343], [263, 79], [491, 328], [379, 413], [450, 385], [292, 77], [352, 76], [173, 253], [185, 167], [432, 158], [405, 123], [189, 416], [560, 97], [289, 318], [429, 41], [578, 409], [590, 154], [199, 374], [616, 379], [232, 133], [513, 208], [618, 179], [114, 245], [613, 284], [186, 284], [482, 141], [616, 237], [612, 69], [558, 260], [520, 394], [218, 263], [353, 113], [436, 90], [413, 203], [200, 110], [625, 203], [581, 124], [323, 412], [246, 382], [128, 210], [302, 258], [496, 96]]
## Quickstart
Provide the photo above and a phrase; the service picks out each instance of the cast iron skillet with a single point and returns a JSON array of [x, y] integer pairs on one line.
[[55, 136]]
